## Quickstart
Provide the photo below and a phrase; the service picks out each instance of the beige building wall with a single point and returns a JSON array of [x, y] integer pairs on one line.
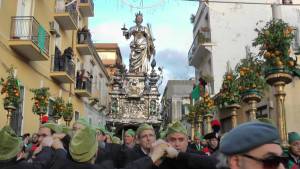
[[110, 55], [31, 73]]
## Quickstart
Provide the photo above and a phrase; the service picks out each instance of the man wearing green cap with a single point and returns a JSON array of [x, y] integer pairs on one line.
[[177, 136], [83, 151], [44, 152], [184, 157], [106, 150], [11, 152], [294, 151], [81, 123], [197, 146], [145, 137], [129, 138]]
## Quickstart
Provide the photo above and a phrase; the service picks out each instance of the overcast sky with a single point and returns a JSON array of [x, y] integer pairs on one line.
[[171, 27]]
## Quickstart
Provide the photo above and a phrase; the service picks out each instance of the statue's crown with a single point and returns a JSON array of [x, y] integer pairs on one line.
[[139, 14]]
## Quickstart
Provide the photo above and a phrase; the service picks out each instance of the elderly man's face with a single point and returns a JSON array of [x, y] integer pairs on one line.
[[146, 139], [295, 148], [253, 159], [178, 140]]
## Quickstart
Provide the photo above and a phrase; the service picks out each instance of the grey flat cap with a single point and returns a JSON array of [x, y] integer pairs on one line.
[[248, 136]]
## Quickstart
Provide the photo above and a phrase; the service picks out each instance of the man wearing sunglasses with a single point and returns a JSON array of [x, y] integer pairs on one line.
[[251, 145]]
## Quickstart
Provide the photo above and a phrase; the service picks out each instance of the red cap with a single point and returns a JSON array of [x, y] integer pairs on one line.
[[215, 123], [44, 119]]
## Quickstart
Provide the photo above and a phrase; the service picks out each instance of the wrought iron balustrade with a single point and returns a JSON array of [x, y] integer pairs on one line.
[[28, 28], [71, 9], [63, 64]]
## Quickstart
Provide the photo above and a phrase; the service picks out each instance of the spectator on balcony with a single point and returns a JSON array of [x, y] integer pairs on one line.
[[84, 35], [58, 64]]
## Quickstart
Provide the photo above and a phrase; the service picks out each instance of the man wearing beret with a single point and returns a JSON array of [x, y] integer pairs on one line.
[[294, 151], [11, 152], [252, 145], [129, 138]]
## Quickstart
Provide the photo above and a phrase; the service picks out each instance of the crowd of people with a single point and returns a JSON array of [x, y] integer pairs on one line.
[[252, 145]]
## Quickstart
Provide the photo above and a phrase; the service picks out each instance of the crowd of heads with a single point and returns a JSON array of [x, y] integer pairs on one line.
[[250, 145]]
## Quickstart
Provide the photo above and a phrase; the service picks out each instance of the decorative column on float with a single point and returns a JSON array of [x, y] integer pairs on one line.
[[275, 40], [229, 97], [206, 108], [251, 82]]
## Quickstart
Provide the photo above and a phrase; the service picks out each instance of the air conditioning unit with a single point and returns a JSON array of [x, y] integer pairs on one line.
[[54, 28]]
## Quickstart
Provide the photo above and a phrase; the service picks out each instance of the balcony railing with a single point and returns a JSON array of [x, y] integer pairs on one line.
[[71, 9], [84, 37], [83, 83], [63, 64], [27, 28], [89, 13], [84, 43], [200, 38]]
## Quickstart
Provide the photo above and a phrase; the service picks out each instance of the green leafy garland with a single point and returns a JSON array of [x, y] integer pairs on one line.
[[69, 111], [58, 107], [275, 40], [229, 93], [251, 76], [41, 98], [11, 89]]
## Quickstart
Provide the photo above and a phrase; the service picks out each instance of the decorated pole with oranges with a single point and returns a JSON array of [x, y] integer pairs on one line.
[[40, 98], [68, 113], [251, 82], [205, 108], [275, 40], [11, 90], [58, 108], [229, 97]]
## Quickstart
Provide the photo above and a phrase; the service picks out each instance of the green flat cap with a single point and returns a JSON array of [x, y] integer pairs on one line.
[[162, 134], [198, 135], [116, 140], [55, 127], [84, 121], [130, 132], [101, 128], [10, 144], [293, 136], [84, 145], [143, 127], [176, 127], [65, 129]]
